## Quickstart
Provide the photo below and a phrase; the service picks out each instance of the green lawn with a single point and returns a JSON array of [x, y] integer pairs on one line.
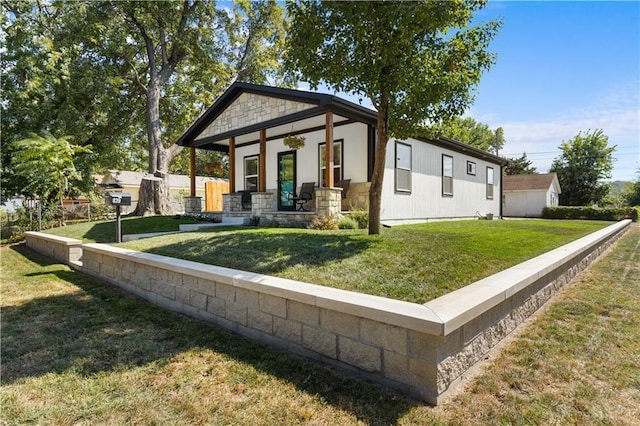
[[78, 351], [415, 263], [105, 231]]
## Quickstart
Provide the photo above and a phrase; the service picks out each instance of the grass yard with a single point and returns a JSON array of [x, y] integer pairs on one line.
[[415, 263], [105, 231], [78, 351]]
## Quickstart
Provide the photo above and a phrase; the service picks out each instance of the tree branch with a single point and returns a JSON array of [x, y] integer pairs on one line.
[[151, 52]]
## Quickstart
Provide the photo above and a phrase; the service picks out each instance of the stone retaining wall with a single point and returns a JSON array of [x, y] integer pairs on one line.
[[66, 250], [421, 350]]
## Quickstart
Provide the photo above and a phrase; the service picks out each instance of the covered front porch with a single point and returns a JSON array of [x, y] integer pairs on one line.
[[250, 123]]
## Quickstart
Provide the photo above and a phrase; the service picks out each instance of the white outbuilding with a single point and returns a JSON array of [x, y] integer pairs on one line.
[[527, 195]]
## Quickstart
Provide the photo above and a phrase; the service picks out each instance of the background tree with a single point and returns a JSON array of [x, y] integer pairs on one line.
[[633, 196], [472, 132], [585, 162], [51, 168], [416, 61], [520, 166], [49, 86], [129, 77]]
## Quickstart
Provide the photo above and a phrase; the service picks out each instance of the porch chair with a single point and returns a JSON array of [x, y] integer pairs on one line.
[[246, 199], [344, 184], [305, 195]]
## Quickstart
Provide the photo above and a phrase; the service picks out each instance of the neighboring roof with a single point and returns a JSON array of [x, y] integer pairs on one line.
[[537, 182], [321, 103], [121, 178]]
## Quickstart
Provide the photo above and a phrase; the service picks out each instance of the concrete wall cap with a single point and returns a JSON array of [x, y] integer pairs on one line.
[[64, 240]]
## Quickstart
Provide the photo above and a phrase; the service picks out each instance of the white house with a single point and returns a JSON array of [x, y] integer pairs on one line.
[[527, 195], [424, 179]]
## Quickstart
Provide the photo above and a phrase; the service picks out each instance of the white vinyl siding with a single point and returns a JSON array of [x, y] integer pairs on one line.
[[425, 201]]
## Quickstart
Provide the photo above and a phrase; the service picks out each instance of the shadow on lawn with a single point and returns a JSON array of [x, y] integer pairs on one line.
[[101, 328], [267, 253], [105, 232]]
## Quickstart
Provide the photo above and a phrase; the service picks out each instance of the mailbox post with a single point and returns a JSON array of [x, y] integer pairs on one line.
[[118, 199]]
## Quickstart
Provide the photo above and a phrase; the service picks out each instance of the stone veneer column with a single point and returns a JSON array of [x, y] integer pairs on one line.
[[226, 203], [192, 204], [328, 201], [262, 202]]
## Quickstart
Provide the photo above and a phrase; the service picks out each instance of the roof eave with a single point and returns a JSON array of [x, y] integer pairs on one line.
[[324, 102], [463, 148]]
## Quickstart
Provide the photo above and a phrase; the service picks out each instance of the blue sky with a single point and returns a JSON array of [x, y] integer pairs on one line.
[[562, 68]]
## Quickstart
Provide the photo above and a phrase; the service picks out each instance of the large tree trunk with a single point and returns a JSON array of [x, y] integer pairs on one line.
[[375, 191], [153, 196]]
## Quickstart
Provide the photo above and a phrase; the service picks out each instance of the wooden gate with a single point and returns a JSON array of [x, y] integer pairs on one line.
[[213, 191]]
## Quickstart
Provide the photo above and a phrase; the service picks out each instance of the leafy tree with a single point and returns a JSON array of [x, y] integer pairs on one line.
[[633, 196], [129, 77], [498, 140], [213, 164], [51, 168], [49, 86], [585, 162], [472, 132], [520, 166], [416, 61]]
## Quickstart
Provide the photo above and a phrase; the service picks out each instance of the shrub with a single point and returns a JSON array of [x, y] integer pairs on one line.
[[347, 223], [591, 213], [324, 223], [361, 217]]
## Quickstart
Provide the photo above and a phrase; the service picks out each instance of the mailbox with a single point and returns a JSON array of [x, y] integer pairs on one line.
[[117, 199]]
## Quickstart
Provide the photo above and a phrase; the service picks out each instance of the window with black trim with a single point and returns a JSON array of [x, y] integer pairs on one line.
[[337, 162], [490, 183], [403, 167], [447, 175], [471, 168], [251, 167]]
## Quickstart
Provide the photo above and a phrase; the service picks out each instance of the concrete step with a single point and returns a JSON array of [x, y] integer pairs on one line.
[[226, 221]]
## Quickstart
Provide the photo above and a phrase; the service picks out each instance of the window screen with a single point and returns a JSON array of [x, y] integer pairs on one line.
[[403, 167], [447, 175], [490, 183], [251, 173]]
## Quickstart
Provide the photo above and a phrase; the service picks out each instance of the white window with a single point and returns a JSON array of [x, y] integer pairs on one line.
[[403, 167], [490, 183], [447, 175], [337, 163], [251, 165]]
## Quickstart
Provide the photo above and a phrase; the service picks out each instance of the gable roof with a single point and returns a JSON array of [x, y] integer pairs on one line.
[[213, 129], [316, 104], [537, 182]]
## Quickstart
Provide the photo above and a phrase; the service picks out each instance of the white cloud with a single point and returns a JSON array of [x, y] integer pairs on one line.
[[616, 111]]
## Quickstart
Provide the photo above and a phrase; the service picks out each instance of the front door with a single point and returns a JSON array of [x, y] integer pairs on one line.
[[286, 180]]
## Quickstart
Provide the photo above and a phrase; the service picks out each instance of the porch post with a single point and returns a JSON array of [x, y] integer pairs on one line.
[[262, 169], [232, 164], [192, 170], [328, 150]]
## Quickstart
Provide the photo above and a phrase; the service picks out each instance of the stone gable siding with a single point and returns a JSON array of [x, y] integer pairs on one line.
[[251, 109]]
